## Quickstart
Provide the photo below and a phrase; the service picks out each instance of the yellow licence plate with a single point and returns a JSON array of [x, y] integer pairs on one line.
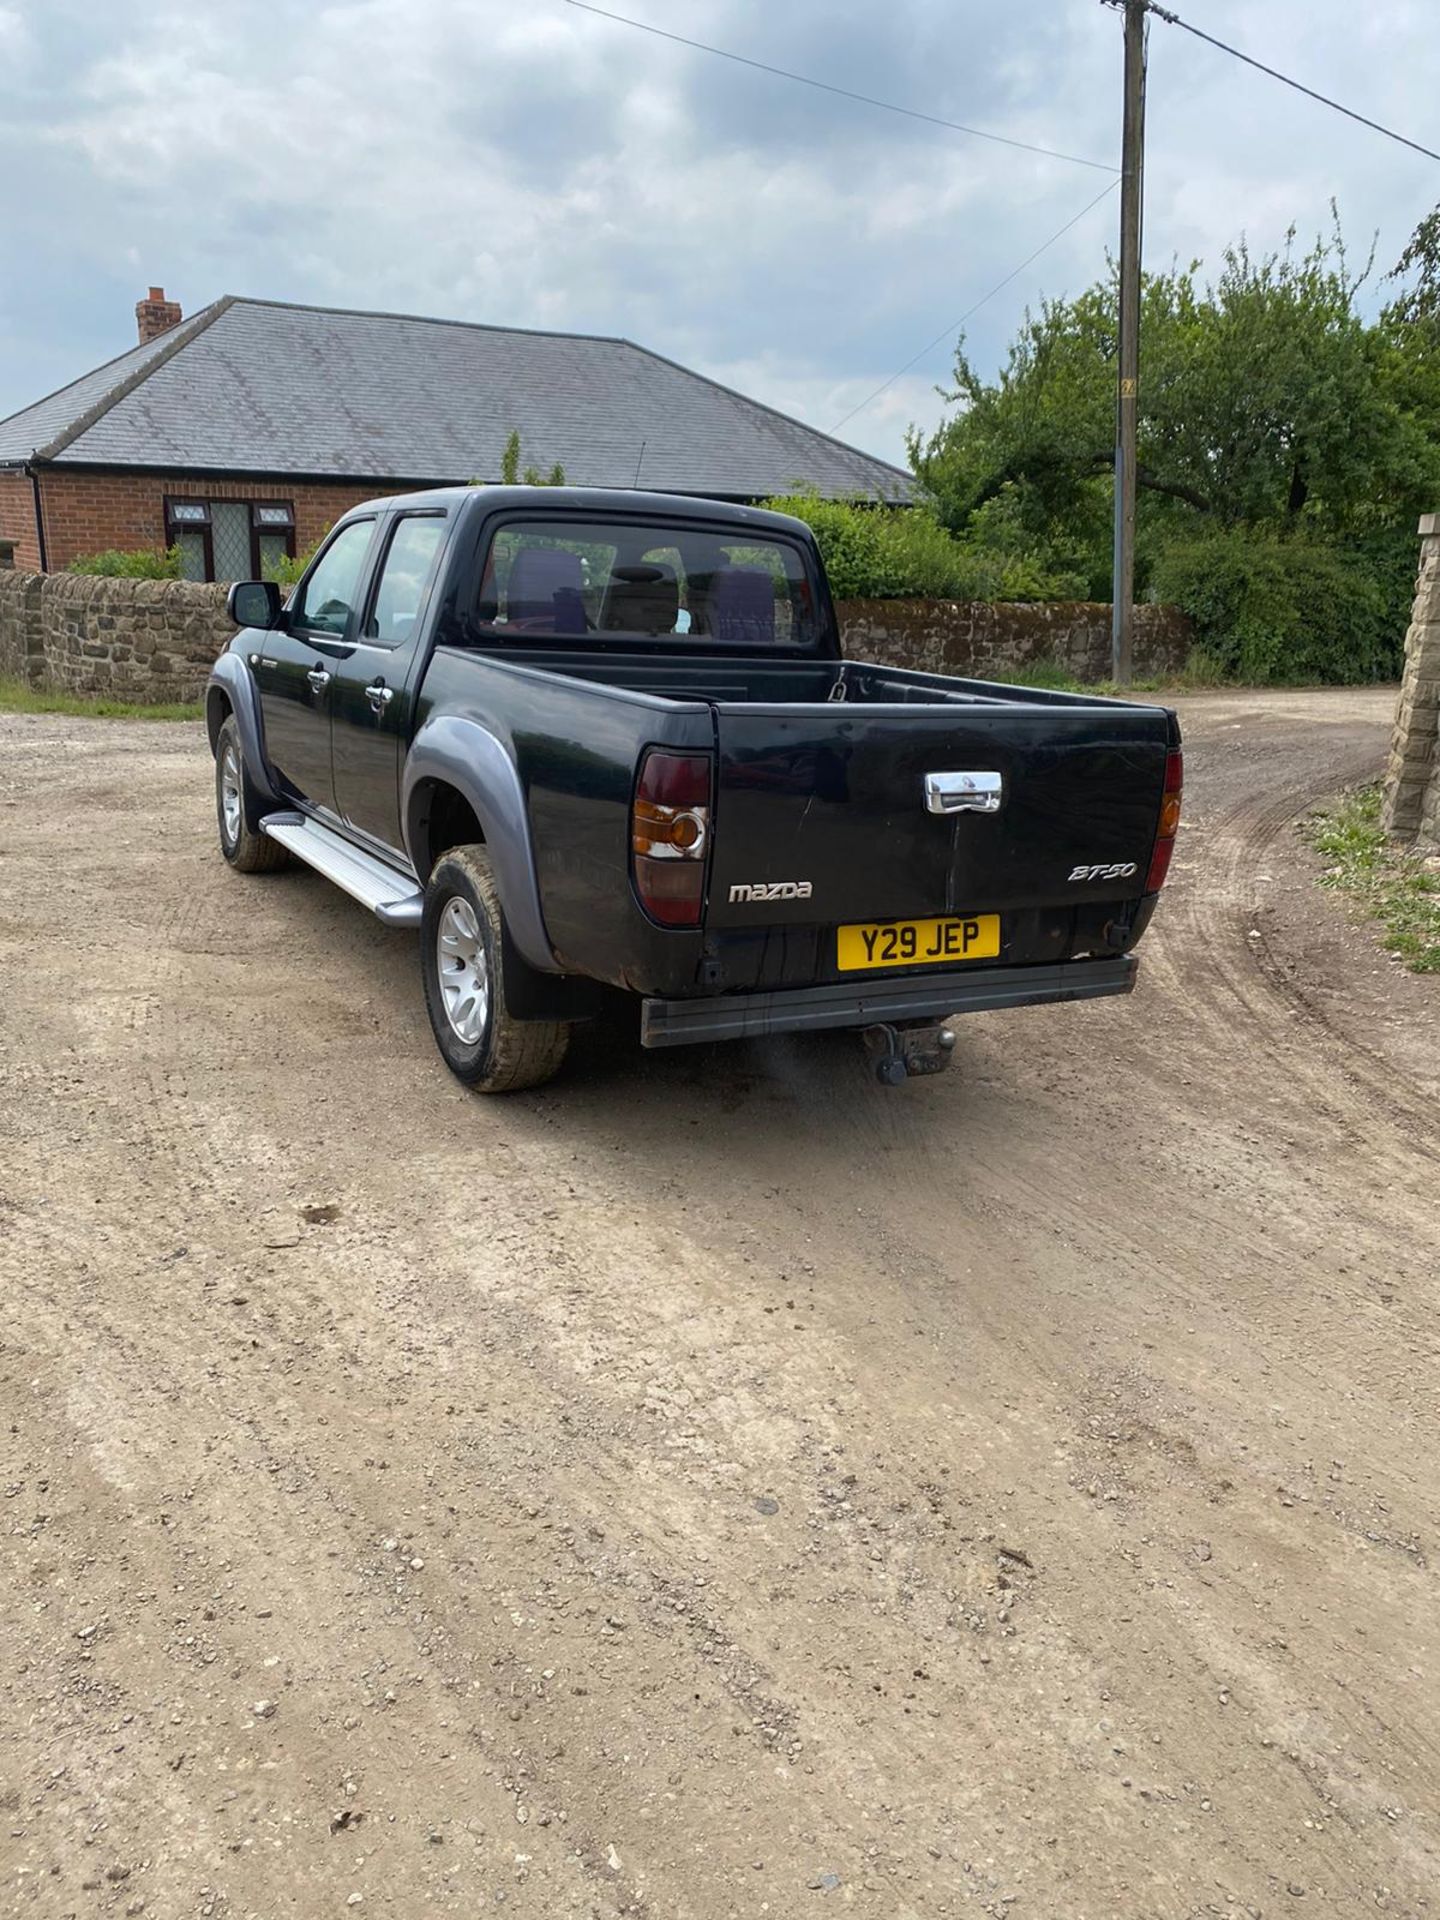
[[918, 943]]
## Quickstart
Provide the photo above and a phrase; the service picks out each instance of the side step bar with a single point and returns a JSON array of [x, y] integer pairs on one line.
[[392, 897]]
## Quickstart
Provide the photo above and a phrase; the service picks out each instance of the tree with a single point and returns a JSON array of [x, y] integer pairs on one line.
[[1419, 304], [1412, 322], [510, 474], [1266, 401]]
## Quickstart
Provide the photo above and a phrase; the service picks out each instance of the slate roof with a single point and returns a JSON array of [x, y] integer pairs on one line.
[[262, 387]]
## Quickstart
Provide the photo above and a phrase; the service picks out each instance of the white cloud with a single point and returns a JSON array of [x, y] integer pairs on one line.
[[537, 166]]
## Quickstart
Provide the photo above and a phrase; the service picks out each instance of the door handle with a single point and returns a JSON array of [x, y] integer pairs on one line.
[[379, 695], [318, 678], [963, 792]]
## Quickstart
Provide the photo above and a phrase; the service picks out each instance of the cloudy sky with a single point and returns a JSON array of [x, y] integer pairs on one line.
[[523, 162]]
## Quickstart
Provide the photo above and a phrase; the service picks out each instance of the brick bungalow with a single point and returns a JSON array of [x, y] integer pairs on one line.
[[243, 433]]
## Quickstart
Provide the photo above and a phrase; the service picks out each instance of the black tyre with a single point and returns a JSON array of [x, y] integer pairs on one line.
[[462, 956], [237, 811]]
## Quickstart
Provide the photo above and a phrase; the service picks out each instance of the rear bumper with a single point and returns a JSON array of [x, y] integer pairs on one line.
[[928, 996]]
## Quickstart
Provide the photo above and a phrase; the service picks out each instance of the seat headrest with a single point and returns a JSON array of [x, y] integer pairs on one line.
[[545, 586], [642, 599], [741, 606]]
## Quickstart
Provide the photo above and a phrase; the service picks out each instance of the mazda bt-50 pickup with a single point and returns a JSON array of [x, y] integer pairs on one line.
[[598, 745]]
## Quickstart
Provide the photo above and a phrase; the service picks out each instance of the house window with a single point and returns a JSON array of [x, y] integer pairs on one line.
[[273, 523], [230, 539], [187, 526]]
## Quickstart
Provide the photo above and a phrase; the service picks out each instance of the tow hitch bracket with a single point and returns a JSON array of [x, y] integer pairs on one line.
[[897, 1052]]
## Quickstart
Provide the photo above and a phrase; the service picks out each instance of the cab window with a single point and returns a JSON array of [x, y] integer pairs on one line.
[[326, 599], [404, 579]]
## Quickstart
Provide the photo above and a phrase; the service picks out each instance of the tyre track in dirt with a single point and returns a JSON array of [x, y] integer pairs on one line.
[[1247, 974]]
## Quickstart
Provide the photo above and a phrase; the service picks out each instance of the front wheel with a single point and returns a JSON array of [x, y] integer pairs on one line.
[[236, 813], [462, 955]]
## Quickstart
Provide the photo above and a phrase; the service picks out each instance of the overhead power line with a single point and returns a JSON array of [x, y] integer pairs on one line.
[[998, 287], [1174, 20], [844, 93]]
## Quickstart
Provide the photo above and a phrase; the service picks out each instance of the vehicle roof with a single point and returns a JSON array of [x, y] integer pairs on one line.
[[631, 502]]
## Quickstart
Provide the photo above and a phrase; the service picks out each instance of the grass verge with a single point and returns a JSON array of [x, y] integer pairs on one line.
[[1394, 887], [17, 696], [1050, 677], [1201, 673]]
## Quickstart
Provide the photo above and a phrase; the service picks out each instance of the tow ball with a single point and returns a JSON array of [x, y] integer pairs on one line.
[[897, 1052]]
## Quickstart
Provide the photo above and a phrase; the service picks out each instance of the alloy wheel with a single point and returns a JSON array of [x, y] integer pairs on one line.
[[230, 798], [463, 970]]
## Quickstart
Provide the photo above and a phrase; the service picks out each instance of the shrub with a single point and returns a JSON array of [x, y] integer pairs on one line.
[[1202, 669], [881, 553], [1027, 565], [1272, 610], [141, 564], [897, 553], [286, 571]]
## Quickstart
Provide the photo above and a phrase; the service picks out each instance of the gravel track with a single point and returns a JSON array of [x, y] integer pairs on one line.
[[714, 1485]]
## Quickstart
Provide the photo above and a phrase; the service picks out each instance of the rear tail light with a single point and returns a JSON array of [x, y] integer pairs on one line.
[[1169, 822], [670, 835]]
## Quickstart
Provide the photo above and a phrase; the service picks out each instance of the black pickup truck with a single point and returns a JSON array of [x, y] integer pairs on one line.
[[596, 745]]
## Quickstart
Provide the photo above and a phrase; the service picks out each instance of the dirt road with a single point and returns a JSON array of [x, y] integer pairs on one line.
[[716, 1485]]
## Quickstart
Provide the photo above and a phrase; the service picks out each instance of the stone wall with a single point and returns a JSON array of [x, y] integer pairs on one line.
[[154, 640], [1412, 775], [151, 641], [20, 642], [985, 640]]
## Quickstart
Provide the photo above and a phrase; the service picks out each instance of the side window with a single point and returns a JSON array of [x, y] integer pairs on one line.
[[404, 576], [327, 599]]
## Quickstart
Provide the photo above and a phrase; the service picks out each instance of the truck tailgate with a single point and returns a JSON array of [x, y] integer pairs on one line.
[[831, 802]]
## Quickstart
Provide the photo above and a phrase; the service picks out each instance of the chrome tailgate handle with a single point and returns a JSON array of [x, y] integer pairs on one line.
[[963, 792]]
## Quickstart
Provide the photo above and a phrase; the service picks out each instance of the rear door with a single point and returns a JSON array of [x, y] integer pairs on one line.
[[822, 815], [296, 668], [372, 684]]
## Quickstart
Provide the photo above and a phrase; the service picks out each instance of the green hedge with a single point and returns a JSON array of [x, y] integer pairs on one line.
[[1277, 611], [884, 553], [141, 564], [899, 553]]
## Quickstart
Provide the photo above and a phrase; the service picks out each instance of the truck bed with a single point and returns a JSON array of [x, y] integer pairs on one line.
[[691, 675], [820, 814]]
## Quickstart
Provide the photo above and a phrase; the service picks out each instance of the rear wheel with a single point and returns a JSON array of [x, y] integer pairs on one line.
[[462, 954], [237, 810]]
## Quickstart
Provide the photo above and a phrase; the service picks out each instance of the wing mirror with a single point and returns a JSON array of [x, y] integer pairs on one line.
[[255, 603]]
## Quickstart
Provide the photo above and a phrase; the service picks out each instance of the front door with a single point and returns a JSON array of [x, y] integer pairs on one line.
[[374, 681], [296, 666]]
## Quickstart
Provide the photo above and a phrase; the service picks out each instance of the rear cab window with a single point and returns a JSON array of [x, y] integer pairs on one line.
[[636, 582]]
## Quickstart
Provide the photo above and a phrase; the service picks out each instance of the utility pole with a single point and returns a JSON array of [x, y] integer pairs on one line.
[[1127, 391]]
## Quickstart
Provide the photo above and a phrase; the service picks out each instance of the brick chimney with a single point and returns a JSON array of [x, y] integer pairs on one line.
[[155, 314]]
